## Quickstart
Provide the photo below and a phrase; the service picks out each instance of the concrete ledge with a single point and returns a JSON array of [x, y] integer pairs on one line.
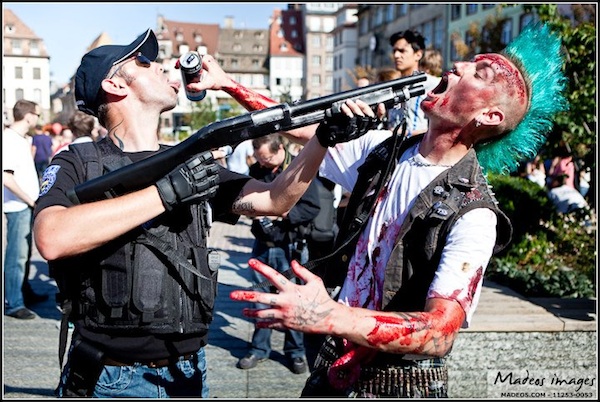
[[501, 309]]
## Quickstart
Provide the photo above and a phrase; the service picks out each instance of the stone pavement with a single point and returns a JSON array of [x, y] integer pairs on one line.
[[30, 359]]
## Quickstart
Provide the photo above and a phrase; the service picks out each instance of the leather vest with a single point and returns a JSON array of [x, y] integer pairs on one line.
[[418, 247], [152, 280]]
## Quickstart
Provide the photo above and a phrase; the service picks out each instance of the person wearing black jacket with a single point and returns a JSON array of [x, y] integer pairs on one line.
[[277, 242]]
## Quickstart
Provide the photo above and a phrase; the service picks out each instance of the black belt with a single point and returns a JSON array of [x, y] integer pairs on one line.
[[153, 364]]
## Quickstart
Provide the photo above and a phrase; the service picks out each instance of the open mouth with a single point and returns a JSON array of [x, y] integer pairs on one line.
[[442, 86]]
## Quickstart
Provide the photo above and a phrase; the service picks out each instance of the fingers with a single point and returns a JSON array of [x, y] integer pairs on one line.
[[357, 108]]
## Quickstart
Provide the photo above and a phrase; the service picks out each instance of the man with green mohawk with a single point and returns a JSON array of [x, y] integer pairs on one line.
[[426, 225]]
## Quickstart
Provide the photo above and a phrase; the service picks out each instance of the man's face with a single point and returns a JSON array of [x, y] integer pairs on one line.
[[266, 158], [148, 81], [406, 60], [488, 80]]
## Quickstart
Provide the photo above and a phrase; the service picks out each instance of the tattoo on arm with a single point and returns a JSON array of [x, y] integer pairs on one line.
[[242, 208]]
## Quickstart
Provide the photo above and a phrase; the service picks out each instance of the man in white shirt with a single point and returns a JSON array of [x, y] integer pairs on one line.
[[21, 189]]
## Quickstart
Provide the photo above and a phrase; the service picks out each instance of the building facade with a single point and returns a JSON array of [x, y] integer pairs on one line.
[[25, 67]]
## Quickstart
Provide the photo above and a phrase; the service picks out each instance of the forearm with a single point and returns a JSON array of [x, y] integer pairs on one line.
[[11, 184], [423, 333], [64, 232], [252, 100], [278, 197]]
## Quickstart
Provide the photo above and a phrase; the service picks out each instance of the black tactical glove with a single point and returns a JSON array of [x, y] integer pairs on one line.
[[341, 128], [195, 180]]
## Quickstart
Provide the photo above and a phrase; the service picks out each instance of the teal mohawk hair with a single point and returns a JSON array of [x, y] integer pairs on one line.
[[537, 53]]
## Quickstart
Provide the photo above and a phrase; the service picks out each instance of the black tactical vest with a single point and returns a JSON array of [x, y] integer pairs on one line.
[[155, 279]]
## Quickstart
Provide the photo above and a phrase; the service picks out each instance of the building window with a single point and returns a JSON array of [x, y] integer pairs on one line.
[[471, 9], [329, 63], [198, 38], [455, 11], [37, 95], [283, 47], [234, 62], [280, 33], [506, 32], [379, 15], [292, 20], [16, 46], [389, 12], [316, 61], [257, 48], [19, 94], [438, 33], [238, 34], [294, 33], [487, 6], [259, 35], [18, 72], [402, 9], [316, 80], [34, 48], [316, 41], [525, 19], [37, 73], [179, 36], [255, 63], [237, 47]]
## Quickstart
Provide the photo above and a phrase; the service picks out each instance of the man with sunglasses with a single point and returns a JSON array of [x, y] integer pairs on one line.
[[135, 271]]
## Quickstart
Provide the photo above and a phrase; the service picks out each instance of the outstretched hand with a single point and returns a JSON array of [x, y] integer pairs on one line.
[[305, 308]]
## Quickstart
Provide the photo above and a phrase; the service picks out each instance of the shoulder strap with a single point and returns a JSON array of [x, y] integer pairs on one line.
[[376, 170]]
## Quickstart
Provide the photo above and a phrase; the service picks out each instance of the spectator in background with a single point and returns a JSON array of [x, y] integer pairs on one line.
[[564, 197], [408, 48], [43, 149], [562, 165], [21, 189], [277, 242], [536, 172], [82, 125], [362, 82], [432, 62], [241, 158], [65, 138]]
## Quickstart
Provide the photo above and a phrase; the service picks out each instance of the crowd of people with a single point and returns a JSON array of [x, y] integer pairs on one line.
[[386, 302]]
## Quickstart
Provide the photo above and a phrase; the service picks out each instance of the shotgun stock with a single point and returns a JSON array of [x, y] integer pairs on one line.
[[232, 131]]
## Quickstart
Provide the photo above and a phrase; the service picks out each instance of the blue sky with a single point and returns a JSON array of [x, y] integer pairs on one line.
[[69, 28]]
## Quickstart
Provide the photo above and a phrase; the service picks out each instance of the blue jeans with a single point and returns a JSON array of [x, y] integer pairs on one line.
[[293, 345], [186, 378], [18, 246]]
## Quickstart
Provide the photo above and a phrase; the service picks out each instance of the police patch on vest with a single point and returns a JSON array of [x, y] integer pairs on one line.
[[48, 179]]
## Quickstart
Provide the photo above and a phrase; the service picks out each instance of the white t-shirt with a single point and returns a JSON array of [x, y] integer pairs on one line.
[[17, 157], [236, 162], [468, 248]]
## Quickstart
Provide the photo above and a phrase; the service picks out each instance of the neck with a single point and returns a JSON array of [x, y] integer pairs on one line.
[[20, 127]]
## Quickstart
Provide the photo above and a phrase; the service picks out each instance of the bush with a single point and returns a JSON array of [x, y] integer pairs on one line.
[[551, 254]]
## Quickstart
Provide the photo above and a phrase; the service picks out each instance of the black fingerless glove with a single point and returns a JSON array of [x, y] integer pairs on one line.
[[341, 128], [193, 181]]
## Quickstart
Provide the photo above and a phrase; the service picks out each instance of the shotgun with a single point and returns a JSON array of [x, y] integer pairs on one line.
[[232, 131]]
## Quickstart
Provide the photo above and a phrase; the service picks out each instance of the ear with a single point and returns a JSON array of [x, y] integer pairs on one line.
[[492, 117], [113, 86]]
